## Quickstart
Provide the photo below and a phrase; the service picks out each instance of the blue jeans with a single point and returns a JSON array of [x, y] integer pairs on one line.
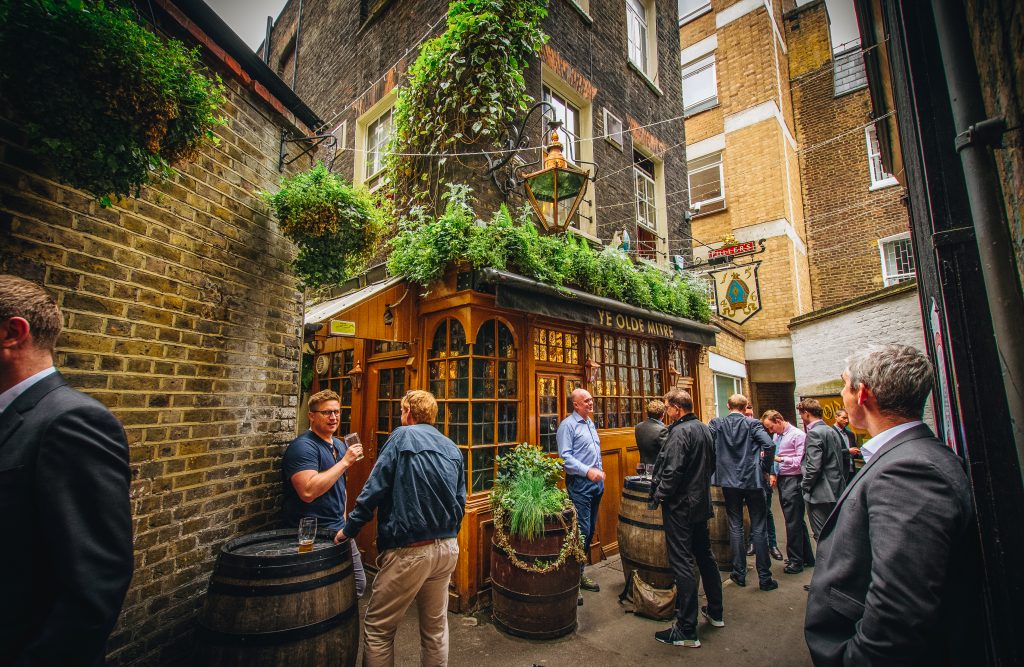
[[754, 499], [586, 497]]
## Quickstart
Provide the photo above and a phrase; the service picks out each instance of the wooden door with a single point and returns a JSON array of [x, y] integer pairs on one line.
[[385, 387]]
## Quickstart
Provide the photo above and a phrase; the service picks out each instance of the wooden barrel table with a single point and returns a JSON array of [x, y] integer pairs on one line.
[[530, 604], [718, 528], [268, 605], [641, 535]]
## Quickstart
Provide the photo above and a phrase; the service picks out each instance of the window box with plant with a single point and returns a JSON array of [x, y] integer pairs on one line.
[[537, 549]]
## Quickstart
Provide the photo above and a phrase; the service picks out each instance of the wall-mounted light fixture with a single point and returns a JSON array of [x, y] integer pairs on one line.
[[356, 376], [592, 369]]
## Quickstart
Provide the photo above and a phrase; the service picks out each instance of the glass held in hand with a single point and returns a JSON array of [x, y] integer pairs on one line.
[[307, 533], [353, 439], [640, 469], [649, 470]]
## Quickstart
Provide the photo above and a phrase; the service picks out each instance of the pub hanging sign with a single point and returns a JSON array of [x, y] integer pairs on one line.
[[737, 292]]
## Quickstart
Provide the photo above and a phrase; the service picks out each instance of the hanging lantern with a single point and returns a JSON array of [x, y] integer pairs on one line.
[[556, 191]]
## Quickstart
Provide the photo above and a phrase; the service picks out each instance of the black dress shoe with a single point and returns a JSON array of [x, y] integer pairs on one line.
[[791, 569], [776, 554], [769, 585], [750, 550], [807, 587], [736, 580]]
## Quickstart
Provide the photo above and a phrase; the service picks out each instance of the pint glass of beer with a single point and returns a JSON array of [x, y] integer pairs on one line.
[[353, 439], [307, 533]]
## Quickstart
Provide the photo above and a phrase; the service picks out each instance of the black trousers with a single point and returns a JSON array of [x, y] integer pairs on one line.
[[688, 542], [818, 513], [754, 500], [769, 519], [798, 542]]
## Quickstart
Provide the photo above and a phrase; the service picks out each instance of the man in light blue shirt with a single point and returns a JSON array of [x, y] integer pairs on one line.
[[580, 448]]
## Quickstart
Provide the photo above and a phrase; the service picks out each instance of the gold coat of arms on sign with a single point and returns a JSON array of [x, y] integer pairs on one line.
[[737, 292]]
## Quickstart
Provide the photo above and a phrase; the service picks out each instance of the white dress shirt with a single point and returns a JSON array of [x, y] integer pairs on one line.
[[868, 449]]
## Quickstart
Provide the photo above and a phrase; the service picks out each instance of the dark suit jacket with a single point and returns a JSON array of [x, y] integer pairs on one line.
[[849, 439], [892, 580], [739, 442], [65, 514], [682, 475], [822, 467], [650, 437]]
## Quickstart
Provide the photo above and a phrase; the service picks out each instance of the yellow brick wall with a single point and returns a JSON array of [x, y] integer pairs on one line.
[[728, 345]]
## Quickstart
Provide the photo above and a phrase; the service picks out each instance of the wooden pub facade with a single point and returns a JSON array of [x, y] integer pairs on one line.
[[501, 353]]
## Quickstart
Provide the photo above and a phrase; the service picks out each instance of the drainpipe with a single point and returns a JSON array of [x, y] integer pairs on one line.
[[298, 31], [976, 135]]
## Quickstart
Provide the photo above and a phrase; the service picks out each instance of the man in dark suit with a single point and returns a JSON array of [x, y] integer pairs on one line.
[[651, 433], [744, 453], [849, 438], [822, 467], [63, 497], [893, 581], [682, 486]]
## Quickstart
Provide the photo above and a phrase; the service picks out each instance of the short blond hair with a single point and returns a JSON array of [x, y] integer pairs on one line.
[[737, 402], [656, 409], [322, 397], [422, 406], [772, 416]]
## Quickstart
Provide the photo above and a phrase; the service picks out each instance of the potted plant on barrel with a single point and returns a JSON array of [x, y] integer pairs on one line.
[[537, 549]]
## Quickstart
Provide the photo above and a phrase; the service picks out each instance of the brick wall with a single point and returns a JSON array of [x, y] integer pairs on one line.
[[774, 396], [182, 316], [346, 66], [844, 218], [822, 342]]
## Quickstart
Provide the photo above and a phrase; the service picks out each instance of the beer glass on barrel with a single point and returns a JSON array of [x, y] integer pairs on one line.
[[307, 533]]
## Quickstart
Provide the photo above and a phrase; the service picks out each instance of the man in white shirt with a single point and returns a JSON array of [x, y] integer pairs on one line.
[[896, 574]]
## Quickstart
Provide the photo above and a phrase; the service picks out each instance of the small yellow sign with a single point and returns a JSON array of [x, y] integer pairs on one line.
[[343, 328]]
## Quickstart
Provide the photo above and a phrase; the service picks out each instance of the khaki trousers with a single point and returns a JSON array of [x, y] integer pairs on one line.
[[420, 573]]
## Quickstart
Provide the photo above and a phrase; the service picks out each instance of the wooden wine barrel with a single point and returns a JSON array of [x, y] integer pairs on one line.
[[269, 605], [718, 528], [529, 604], [641, 535]]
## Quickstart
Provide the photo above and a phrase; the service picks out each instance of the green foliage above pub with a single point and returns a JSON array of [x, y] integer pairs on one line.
[[105, 101], [426, 247], [466, 85], [335, 225]]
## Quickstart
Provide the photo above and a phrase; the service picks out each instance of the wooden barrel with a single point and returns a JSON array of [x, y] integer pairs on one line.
[[641, 535], [718, 528], [529, 604], [268, 605]]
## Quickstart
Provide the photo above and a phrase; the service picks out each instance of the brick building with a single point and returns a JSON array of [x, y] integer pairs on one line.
[[182, 315], [780, 147]]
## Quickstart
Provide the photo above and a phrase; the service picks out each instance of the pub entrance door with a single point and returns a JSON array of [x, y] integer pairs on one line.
[[382, 414], [553, 405]]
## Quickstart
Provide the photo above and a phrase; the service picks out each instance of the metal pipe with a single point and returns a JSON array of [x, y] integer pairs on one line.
[[998, 269], [295, 58]]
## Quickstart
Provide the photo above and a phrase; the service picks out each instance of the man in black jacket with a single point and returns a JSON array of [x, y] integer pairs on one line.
[[651, 433], [64, 505], [682, 486], [418, 487]]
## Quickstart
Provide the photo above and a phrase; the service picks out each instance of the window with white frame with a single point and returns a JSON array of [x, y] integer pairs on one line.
[[706, 179], [879, 177], [700, 85], [725, 386], [613, 129], [636, 23], [645, 189], [378, 133], [691, 9], [570, 116], [897, 259]]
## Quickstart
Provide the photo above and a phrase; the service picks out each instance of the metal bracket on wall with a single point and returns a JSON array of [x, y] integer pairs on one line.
[[988, 132], [315, 140]]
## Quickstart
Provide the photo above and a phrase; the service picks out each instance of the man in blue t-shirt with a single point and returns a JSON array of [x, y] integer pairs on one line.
[[314, 469]]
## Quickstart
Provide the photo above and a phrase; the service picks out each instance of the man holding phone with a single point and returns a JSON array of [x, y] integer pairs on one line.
[[314, 468]]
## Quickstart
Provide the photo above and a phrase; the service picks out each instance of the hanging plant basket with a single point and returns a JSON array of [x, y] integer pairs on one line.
[[336, 225], [101, 98]]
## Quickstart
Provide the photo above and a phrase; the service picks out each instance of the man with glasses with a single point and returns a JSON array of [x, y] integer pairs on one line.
[[314, 469]]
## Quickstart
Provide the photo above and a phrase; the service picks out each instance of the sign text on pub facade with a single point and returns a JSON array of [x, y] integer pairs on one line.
[[628, 323]]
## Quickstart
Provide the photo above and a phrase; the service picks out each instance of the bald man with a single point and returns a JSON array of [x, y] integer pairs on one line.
[[580, 448]]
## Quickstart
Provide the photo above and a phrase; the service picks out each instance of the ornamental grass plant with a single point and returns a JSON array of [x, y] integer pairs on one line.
[[526, 491]]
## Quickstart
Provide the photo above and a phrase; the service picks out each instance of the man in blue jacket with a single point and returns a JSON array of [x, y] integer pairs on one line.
[[418, 488], [744, 454]]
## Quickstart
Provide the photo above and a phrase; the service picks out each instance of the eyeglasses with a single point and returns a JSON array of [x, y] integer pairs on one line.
[[327, 413]]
